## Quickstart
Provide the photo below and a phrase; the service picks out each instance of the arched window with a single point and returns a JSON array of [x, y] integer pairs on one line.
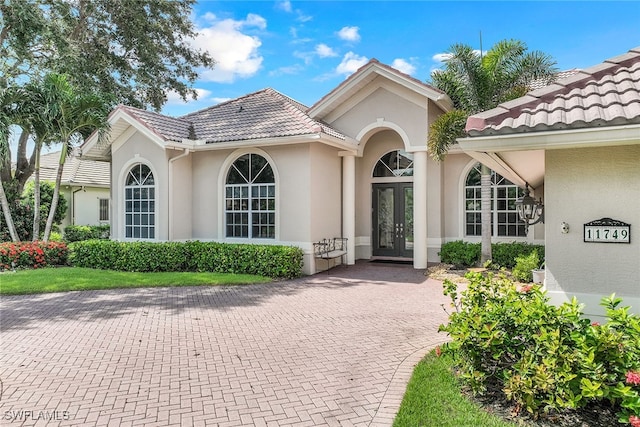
[[250, 198], [394, 163], [139, 203], [504, 217]]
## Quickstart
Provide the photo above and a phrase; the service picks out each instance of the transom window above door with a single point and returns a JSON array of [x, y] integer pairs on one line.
[[394, 164], [250, 198]]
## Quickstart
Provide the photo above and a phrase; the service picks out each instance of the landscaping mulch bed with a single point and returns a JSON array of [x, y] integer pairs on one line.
[[600, 414]]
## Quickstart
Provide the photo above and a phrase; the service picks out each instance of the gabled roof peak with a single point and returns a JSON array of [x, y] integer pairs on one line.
[[367, 73]]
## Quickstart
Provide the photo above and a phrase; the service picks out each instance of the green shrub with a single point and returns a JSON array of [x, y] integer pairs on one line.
[[265, 260], [524, 265], [77, 233], [505, 254], [544, 358], [32, 254], [465, 254], [460, 254]]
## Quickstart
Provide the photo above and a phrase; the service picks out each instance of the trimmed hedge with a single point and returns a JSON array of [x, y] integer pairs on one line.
[[32, 254], [266, 260], [465, 254], [77, 233]]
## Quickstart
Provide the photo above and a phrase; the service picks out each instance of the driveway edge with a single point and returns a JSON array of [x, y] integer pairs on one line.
[[392, 398]]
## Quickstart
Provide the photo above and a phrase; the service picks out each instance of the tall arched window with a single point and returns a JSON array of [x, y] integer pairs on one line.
[[250, 198], [139, 203], [504, 217], [394, 163]]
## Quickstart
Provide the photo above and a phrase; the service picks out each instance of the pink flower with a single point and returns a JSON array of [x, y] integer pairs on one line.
[[595, 324], [634, 421], [633, 377]]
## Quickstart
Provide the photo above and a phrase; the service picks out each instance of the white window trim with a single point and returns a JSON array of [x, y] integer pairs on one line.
[[222, 181], [122, 179]]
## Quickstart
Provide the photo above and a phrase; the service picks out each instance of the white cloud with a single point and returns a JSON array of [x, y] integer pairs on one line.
[[349, 34], [284, 5], [350, 63], [289, 70], [404, 66], [173, 98], [236, 53], [324, 51]]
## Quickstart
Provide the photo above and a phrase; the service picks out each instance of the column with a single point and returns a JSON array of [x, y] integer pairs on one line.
[[420, 209], [349, 204]]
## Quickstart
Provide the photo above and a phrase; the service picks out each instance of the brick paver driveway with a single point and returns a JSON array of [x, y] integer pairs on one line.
[[331, 349]]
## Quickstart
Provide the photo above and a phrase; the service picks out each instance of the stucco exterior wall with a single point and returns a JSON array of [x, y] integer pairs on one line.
[[86, 205], [325, 190], [206, 179], [406, 113], [180, 195], [582, 185], [139, 149]]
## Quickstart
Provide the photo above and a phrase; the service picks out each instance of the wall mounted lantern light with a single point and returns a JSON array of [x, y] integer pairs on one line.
[[529, 210]]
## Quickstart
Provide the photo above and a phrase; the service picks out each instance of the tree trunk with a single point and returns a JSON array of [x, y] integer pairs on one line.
[[36, 194], [485, 213], [56, 193], [7, 213]]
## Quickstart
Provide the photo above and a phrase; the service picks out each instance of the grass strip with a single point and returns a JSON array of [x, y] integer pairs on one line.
[[433, 399], [63, 279]]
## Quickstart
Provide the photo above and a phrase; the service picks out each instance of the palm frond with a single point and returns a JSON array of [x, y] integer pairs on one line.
[[444, 131]]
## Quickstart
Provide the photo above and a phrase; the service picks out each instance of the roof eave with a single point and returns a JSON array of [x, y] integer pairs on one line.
[[554, 139], [94, 149], [320, 137]]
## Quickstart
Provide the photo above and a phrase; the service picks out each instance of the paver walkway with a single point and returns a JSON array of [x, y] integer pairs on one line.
[[332, 349]]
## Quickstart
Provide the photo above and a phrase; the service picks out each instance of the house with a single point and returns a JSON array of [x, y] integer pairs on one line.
[[85, 185], [264, 168], [577, 142]]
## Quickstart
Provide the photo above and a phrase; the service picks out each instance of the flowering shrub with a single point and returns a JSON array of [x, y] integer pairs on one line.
[[544, 358], [32, 254]]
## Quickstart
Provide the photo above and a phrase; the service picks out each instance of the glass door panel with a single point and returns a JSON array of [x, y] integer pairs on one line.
[[384, 210], [392, 223]]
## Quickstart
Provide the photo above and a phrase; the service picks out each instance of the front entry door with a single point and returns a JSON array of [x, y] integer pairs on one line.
[[393, 220]]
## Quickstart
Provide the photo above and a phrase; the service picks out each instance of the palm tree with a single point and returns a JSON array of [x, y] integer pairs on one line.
[[73, 116], [33, 114], [6, 104], [475, 83]]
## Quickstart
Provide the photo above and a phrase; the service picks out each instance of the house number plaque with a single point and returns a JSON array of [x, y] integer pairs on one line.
[[607, 230]]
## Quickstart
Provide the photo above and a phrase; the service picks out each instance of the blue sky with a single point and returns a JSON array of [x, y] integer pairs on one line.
[[304, 49]]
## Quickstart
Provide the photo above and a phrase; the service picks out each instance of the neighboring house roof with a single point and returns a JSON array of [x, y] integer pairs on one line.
[[607, 94], [263, 114], [540, 83], [76, 172]]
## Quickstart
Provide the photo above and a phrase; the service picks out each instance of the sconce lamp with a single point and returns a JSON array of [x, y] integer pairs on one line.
[[529, 210]]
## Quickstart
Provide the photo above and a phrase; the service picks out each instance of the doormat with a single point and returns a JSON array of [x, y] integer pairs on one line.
[[392, 261]]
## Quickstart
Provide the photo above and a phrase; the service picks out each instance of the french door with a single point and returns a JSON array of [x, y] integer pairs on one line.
[[393, 220]]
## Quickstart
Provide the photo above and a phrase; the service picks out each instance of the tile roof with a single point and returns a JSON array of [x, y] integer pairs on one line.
[[263, 114], [607, 94], [76, 171]]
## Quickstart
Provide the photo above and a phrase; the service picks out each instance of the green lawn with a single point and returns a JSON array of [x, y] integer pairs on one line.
[[64, 279], [433, 399]]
